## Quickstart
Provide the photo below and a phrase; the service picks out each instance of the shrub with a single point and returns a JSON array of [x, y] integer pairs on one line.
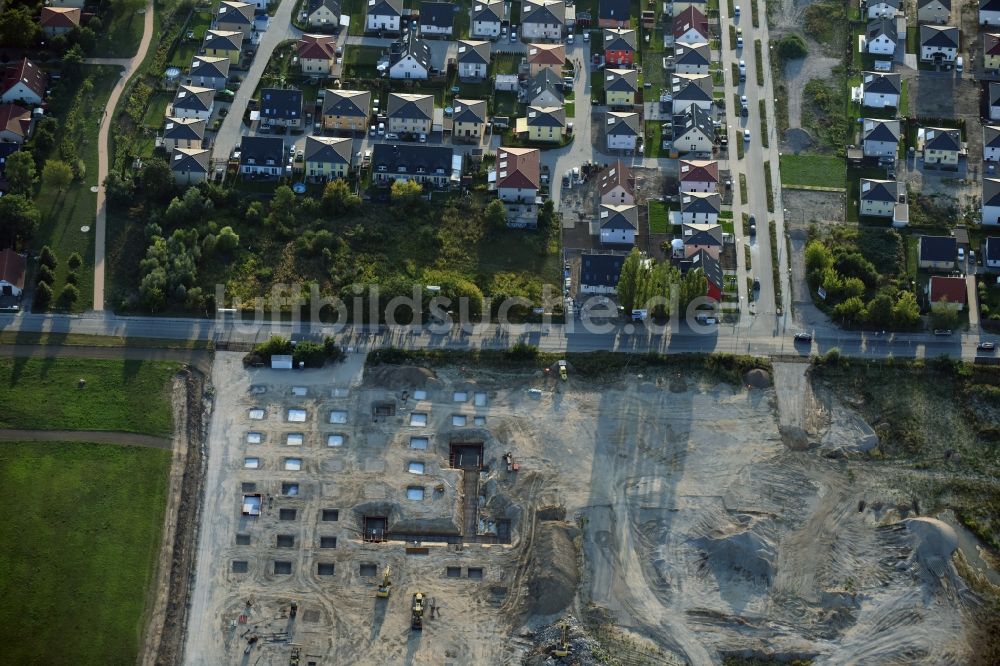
[[69, 295], [44, 275], [72, 278], [43, 295], [75, 261], [48, 258]]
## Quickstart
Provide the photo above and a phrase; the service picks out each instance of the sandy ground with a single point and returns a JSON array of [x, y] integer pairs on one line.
[[711, 521]]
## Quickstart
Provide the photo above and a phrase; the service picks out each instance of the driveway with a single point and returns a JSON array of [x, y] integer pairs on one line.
[[280, 30]]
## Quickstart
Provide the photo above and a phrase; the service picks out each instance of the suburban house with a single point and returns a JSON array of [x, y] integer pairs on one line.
[[618, 185], [933, 11], [700, 236], [688, 89], [192, 102], [989, 12], [468, 119], [692, 58], [681, 5], [261, 155], [317, 54], [15, 123], [690, 27], [409, 58], [183, 133], [937, 252], [991, 201], [599, 273], [880, 197], [487, 19], [880, 138], [699, 176], [991, 253], [410, 112], [938, 43], [427, 165], [545, 89], [543, 19], [518, 174], [327, 157], [24, 83], [209, 72], [12, 269], [614, 14], [991, 51], [384, 15], [619, 224], [942, 146], [881, 91], [546, 56], [882, 8], [59, 20], [712, 270], [994, 97], [991, 143], [223, 44], [622, 130], [234, 16], [948, 290], [190, 165], [473, 59], [620, 86], [505, 83], [881, 36], [323, 13], [619, 47], [346, 110], [700, 207], [437, 18], [281, 106], [546, 123], [693, 131]]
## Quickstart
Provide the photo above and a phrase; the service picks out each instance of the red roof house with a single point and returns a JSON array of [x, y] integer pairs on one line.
[[951, 289]]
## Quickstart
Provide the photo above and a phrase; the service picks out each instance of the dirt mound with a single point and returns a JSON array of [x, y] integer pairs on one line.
[[747, 553], [554, 572], [757, 378], [934, 542], [398, 377], [797, 140], [551, 513]]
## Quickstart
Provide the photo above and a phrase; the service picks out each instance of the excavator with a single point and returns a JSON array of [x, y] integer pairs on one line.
[[562, 648], [386, 586], [417, 612]]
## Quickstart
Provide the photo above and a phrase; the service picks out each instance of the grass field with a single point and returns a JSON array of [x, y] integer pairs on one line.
[[64, 213], [119, 395], [78, 548], [812, 170], [659, 217], [121, 36]]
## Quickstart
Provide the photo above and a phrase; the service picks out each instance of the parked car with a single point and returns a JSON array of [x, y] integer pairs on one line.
[[569, 38], [586, 36], [513, 33], [381, 129], [423, 138], [746, 136], [753, 225], [392, 136], [942, 331], [986, 346], [803, 336]]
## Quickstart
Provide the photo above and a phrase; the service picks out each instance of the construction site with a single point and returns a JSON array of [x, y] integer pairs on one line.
[[464, 515]]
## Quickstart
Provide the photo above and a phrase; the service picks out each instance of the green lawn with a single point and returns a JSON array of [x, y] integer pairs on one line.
[[360, 61], [157, 110], [659, 217], [63, 214], [356, 10], [505, 104], [130, 396], [78, 548], [122, 30], [654, 139], [184, 54], [812, 170]]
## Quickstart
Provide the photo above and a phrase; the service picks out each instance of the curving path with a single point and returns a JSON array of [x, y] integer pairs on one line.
[[103, 157], [87, 436]]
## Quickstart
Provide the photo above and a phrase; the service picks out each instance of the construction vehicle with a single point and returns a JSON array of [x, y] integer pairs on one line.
[[417, 612], [563, 375], [562, 649], [386, 586]]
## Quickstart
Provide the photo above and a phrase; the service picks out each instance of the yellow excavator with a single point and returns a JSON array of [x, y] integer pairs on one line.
[[386, 586], [562, 649], [417, 612]]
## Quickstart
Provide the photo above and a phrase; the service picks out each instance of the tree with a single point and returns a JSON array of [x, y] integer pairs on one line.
[[79, 169], [547, 216], [880, 310], [629, 280], [406, 194], [227, 241], [281, 216], [943, 314], [69, 295], [157, 181], [853, 287], [43, 296], [75, 261], [19, 217], [792, 47], [119, 190], [853, 264], [851, 311], [496, 215], [47, 257], [818, 256], [44, 274], [57, 174], [338, 198], [44, 139], [21, 171], [18, 29], [693, 285], [72, 60]]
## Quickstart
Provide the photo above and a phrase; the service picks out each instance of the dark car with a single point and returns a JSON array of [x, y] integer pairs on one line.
[[942, 331], [986, 346], [804, 336]]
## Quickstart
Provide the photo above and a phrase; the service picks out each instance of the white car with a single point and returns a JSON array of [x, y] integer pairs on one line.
[[586, 36], [569, 38], [746, 136], [743, 101]]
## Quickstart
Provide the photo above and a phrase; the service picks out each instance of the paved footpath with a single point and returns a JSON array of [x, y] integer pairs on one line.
[[103, 154], [88, 436]]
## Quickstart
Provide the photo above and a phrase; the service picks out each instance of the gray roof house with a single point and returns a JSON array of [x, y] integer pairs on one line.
[[209, 71], [545, 89], [281, 106]]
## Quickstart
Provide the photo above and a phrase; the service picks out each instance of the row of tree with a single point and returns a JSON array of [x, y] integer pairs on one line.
[[645, 284], [45, 277]]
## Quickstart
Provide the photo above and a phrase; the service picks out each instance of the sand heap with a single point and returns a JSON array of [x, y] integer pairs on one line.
[[934, 542], [399, 377], [747, 553], [554, 573]]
